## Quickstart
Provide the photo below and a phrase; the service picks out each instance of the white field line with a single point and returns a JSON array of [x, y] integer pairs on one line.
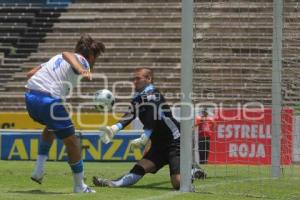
[[176, 193], [163, 196]]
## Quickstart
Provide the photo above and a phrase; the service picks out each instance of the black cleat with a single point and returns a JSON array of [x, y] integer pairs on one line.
[[39, 181], [100, 182]]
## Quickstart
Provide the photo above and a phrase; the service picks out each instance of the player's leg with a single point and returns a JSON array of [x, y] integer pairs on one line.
[[63, 128], [44, 147], [175, 181], [202, 150], [207, 148], [197, 171], [174, 165], [152, 161], [34, 105], [73, 150], [135, 174], [173, 156]]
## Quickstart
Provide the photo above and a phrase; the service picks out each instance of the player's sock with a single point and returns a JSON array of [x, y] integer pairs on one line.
[[78, 179], [78, 175], [44, 148], [40, 163], [135, 174], [126, 180]]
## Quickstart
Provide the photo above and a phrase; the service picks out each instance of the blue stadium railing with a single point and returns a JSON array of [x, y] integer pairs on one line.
[[45, 2]]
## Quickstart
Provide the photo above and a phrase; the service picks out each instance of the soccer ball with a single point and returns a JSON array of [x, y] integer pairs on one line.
[[104, 100]]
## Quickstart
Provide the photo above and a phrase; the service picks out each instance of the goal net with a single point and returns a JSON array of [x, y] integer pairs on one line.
[[232, 84]]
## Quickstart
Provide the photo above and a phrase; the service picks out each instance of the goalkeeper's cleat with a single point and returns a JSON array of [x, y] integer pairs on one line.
[[37, 177], [83, 189], [199, 173], [100, 182]]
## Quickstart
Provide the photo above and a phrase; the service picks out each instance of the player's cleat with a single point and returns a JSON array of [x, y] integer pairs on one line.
[[102, 182], [84, 189], [199, 173], [37, 177]]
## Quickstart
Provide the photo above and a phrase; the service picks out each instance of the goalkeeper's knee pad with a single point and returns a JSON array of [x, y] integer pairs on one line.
[[137, 169]]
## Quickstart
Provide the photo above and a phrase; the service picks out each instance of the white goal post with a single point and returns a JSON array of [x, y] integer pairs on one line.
[[186, 89]]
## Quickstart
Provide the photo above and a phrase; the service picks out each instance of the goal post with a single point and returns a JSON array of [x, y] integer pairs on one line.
[[186, 90], [276, 85]]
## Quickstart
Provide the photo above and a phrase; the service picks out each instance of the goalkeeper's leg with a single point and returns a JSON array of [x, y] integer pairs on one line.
[[136, 173]]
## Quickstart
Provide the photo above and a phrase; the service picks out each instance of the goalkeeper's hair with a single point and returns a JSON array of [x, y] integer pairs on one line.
[[148, 73], [86, 45]]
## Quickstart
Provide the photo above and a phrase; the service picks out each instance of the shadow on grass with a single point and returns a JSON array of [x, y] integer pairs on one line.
[[35, 192], [213, 177], [152, 186]]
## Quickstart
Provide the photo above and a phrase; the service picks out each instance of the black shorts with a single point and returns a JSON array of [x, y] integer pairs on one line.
[[162, 156]]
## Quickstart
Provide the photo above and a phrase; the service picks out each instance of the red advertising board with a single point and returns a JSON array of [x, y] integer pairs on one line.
[[243, 136]]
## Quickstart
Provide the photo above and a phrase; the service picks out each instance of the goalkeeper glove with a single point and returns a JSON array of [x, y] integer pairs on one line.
[[109, 132], [139, 142]]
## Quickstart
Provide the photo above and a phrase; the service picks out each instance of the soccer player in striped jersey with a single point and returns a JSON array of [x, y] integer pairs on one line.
[[46, 89]]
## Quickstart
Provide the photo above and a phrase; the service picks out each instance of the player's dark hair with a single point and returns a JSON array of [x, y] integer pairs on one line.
[[86, 45]]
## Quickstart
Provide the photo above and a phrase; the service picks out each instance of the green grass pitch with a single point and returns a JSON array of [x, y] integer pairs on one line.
[[225, 182]]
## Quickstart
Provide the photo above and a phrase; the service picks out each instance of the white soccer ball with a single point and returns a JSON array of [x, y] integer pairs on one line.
[[104, 100]]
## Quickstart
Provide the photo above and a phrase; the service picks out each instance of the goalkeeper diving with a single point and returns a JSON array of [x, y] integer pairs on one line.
[[159, 126]]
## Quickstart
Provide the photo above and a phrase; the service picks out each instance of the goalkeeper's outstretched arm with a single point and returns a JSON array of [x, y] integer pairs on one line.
[[110, 131], [141, 141]]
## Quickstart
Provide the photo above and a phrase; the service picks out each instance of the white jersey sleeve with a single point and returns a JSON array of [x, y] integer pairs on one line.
[[56, 76]]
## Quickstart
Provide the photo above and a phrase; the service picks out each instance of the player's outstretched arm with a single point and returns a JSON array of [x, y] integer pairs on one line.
[[33, 71], [109, 132], [141, 141], [76, 65]]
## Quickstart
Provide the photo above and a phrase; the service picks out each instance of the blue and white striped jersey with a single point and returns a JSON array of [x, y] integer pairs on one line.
[[56, 76]]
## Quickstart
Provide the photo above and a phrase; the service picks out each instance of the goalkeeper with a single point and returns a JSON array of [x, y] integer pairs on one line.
[[159, 126]]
